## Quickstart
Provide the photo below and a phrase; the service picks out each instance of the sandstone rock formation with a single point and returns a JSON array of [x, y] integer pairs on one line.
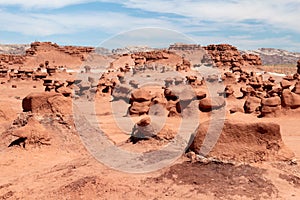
[[245, 142], [252, 104], [209, 104], [224, 55], [33, 133], [290, 99], [143, 129], [72, 56], [47, 102], [140, 102], [271, 107], [185, 47]]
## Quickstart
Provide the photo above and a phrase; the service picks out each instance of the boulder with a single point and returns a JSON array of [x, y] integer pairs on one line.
[[285, 84], [290, 99], [47, 102], [270, 111], [33, 133], [242, 142], [252, 104], [209, 104], [272, 101]]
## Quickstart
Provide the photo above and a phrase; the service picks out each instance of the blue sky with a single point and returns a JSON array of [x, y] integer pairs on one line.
[[247, 24]]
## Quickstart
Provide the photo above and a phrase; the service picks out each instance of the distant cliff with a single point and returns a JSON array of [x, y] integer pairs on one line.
[[270, 56], [15, 49]]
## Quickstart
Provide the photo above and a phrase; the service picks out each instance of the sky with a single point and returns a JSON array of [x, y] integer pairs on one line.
[[247, 24]]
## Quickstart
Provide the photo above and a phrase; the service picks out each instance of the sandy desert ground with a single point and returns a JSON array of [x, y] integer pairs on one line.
[[235, 131]]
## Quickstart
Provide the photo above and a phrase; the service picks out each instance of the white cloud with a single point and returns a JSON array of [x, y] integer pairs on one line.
[[194, 17], [36, 4], [278, 13], [37, 24], [247, 42]]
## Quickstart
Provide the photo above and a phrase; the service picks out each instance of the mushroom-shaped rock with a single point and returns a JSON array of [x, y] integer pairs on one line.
[[170, 95], [139, 108], [70, 81], [65, 91], [200, 94], [288, 78], [268, 85], [141, 95], [275, 92], [271, 107], [143, 129]]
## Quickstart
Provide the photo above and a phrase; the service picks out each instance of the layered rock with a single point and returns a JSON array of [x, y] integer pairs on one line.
[[252, 59], [75, 51], [140, 102], [8, 59], [225, 55], [185, 47], [271, 107]]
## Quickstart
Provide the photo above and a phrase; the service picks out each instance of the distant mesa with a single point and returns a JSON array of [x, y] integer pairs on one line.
[[185, 47]]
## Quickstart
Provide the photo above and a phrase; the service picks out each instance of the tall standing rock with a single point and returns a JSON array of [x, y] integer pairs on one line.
[[298, 67]]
